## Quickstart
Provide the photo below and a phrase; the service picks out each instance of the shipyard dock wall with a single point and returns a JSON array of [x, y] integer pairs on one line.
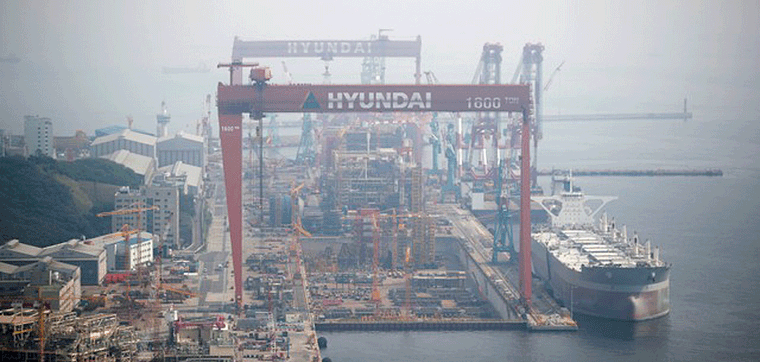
[[428, 325]]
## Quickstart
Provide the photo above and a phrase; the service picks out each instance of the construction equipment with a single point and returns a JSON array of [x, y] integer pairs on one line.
[[435, 141], [235, 65], [306, 154], [30, 324], [126, 232], [135, 208], [158, 344], [408, 282], [183, 292], [503, 230], [375, 251], [551, 77]]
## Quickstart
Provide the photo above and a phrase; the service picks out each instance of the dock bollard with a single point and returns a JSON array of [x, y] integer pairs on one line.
[[322, 342]]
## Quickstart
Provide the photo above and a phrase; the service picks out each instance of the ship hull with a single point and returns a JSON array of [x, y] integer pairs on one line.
[[631, 294]]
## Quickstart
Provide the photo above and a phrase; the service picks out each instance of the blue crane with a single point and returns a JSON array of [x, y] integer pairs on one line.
[[306, 153], [435, 141], [503, 230], [451, 166]]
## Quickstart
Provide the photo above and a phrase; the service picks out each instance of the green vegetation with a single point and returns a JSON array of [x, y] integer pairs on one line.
[[99, 170], [42, 204]]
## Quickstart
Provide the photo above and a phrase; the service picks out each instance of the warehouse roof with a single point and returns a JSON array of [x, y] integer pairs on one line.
[[193, 174], [126, 134], [72, 246], [21, 248], [107, 239], [138, 163], [180, 139]]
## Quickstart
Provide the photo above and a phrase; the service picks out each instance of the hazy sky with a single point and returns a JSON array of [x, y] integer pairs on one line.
[[87, 64]]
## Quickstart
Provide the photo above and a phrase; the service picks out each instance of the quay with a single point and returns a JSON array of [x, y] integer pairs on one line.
[[427, 325], [710, 172]]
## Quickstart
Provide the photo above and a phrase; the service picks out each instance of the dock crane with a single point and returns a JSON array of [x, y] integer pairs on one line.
[[503, 230], [435, 141]]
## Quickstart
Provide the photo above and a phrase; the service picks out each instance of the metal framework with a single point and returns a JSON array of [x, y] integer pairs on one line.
[[485, 127], [380, 47], [234, 100], [503, 231]]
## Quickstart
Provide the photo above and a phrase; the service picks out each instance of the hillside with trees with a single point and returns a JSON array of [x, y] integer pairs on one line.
[[42, 203]]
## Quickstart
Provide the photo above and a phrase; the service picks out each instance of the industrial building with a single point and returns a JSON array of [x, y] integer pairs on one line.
[[72, 147], [97, 337], [127, 139], [142, 165], [188, 178], [58, 284], [163, 222], [184, 147], [38, 136], [140, 250], [90, 259]]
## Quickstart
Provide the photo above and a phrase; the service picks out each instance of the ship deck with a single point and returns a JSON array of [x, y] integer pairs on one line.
[[580, 247]]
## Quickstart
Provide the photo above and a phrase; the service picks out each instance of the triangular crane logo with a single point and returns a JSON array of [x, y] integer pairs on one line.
[[311, 102]]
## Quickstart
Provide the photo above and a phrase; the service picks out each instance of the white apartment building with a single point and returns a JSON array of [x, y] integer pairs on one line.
[[38, 136], [163, 222]]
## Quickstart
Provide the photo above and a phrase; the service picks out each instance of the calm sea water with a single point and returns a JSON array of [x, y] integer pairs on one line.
[[708, 229]]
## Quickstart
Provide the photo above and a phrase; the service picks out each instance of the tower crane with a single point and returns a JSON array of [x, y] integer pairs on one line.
[[158, 349], [126, 232], [135, 208]]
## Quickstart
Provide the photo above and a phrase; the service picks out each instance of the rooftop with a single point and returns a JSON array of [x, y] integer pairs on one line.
[[126, 134], [182, 135], [21, 248], [114, 238], [193, 174], [138, 163], [75, 245]]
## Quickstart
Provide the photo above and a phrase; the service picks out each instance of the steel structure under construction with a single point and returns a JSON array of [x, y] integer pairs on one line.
[[25, 333]]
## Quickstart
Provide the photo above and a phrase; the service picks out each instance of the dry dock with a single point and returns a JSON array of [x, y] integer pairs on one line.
[[497, 283]]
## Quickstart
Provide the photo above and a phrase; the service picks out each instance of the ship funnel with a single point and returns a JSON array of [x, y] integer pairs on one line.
[[604, 222], [625, 234]]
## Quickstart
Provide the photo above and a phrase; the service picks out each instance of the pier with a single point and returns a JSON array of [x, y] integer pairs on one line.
[[710, 172], [616, 117], [428, 325]]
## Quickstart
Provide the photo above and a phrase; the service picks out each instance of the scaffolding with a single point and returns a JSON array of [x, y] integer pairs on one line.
[[365, 179], [65, 337]]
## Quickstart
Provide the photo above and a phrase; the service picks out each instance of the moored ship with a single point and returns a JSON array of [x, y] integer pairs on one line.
[[596, 269]]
